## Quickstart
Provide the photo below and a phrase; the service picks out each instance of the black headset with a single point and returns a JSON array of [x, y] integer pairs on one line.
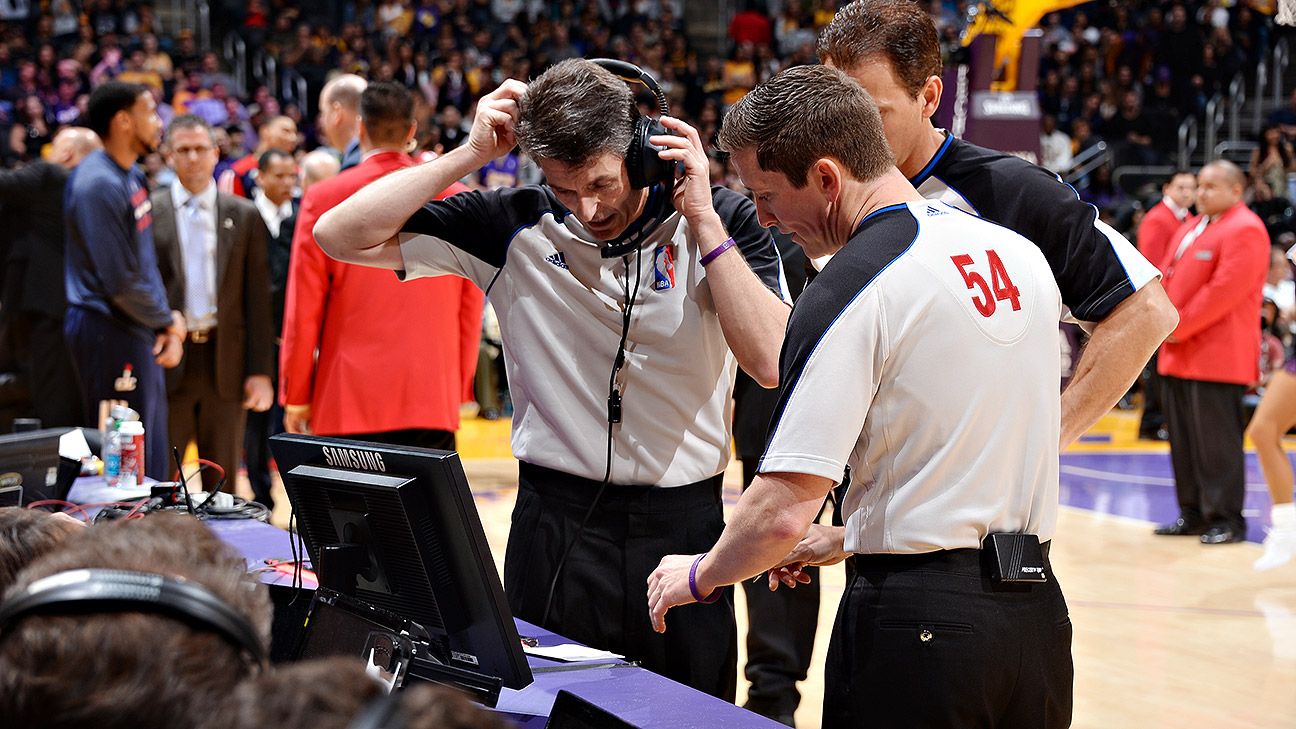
[[644, 167], [78, 591]]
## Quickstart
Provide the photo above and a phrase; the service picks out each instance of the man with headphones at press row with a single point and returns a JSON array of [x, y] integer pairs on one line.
[[134, 624], [622, 310]]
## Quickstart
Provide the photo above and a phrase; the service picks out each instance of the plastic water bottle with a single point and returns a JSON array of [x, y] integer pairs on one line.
[[130, 437], [112, 455]]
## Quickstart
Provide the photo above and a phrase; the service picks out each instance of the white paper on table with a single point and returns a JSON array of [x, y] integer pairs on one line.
[[569, 652]]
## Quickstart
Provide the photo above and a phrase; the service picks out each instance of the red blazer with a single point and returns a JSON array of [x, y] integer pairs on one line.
[[1217, 286], [1155, 232], [392, 355]]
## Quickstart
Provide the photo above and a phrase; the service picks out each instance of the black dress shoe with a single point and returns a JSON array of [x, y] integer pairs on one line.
[[1221, 535], [1180, 528]]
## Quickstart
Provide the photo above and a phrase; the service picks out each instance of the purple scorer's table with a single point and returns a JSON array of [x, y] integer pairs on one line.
[[633, 694]]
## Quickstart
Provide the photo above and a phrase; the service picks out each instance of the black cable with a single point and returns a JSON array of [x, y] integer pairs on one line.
[[184, 486], [297, 557], [614, 396]]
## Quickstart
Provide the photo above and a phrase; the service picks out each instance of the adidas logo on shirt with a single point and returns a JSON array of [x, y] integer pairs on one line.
[[934, 211], [558, 259]]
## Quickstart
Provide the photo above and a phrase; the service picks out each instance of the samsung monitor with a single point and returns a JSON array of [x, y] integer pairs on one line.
[[396, 527]]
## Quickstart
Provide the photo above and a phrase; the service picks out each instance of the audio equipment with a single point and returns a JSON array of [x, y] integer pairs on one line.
[[643, 165], [80, 591]]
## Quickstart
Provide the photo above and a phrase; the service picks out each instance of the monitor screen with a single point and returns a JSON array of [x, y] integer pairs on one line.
[[29, 466], [402, 523]]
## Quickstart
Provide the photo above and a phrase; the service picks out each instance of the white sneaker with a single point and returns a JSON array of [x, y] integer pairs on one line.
[[1279, 549]]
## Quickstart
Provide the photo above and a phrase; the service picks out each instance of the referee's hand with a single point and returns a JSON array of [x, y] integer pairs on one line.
[[821, 546], [668, 586], [692, 195]]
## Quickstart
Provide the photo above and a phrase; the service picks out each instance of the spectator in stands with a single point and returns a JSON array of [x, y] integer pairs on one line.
[[453, 131], [1131, 131], [1215, 273], [339, 121], [1271, 162], [752, 25], [332, 693], [31, 132], [1285, 118], [26, 535], [1101, 192], [1055, 146], [75, 668], [278, 132], [318, 166]]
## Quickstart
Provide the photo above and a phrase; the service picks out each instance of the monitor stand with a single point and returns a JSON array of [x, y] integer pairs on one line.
[[480, 687], [342, 565]]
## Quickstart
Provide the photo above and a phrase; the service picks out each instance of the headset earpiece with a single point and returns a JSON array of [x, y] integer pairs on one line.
[[643, 166], [108, 590]]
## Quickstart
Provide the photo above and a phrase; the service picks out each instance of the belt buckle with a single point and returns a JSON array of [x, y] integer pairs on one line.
[[199, 337]]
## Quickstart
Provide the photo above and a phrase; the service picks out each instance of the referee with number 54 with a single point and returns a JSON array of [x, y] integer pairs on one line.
[[924, 359]]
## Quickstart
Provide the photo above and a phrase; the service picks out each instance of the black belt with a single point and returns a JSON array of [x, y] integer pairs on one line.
[[961, 561], [579, 491]]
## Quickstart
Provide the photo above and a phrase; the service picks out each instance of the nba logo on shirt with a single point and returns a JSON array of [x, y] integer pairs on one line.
[[664, 268]]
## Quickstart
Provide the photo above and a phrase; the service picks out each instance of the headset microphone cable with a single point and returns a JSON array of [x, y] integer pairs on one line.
[[614, 416]]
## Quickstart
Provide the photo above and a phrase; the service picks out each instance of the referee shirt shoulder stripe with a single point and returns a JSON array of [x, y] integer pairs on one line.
[[882, 238]]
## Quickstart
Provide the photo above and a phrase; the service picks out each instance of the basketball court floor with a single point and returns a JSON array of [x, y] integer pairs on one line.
[[1168, 632]]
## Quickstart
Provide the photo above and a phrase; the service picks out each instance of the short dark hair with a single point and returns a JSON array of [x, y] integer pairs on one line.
[[900, 31], [328, 693], [25, 534], [574, 112], [1171, 177], [269, 156], [108, 99], [129, 670], [387, 111], [267, 121], [804, 114], [189, 121]]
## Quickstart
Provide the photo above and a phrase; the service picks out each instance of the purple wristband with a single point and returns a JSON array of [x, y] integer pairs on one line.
[[715, 594], [715, 252]]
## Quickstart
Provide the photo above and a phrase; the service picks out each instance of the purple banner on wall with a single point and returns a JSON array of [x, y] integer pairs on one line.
[[1004, 120]]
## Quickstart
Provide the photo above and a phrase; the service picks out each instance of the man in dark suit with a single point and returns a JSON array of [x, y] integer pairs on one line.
[[277, 174], [1215, 271], [32, 297], [211, 249]]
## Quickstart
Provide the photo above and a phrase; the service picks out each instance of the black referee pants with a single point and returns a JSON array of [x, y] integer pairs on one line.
[[925, 641], [601, 599]]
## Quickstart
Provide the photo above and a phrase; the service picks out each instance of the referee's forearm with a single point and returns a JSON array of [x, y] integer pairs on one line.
[[752, 318], [771, 518]]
